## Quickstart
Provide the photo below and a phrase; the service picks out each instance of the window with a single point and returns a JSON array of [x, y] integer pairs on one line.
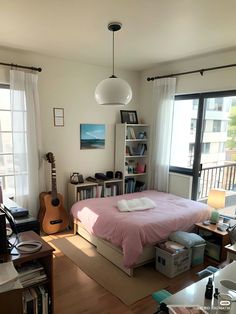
[[203, 138], [215, 104], [206, 148], [193, 125], [216, 126], [9, 163], [182, 147], [221, 147]]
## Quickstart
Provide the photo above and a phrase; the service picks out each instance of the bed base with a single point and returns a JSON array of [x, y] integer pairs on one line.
[[112, 253]]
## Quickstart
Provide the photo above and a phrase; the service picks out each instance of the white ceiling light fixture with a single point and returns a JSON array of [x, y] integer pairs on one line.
[[113, 90]]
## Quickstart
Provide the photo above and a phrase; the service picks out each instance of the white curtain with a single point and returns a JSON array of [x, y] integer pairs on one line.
[[27, 145], [162, 112]]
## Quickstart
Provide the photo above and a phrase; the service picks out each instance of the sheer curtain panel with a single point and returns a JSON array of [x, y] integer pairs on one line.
[[162, 112], [26, 139]]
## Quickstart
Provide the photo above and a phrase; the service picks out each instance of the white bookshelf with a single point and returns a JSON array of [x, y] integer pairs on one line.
[[132, 149]]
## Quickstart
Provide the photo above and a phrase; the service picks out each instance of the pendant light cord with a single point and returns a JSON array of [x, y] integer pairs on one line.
[[113, 54]]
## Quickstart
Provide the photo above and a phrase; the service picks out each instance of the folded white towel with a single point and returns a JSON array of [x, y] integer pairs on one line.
[[135, 204]]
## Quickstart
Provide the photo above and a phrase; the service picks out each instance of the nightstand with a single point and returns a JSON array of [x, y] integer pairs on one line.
[[231, 252], [215, 241]]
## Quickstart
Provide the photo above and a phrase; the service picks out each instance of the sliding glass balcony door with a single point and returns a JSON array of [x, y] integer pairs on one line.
[[204, 140]]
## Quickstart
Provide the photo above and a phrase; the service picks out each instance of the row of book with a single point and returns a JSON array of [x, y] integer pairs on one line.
[[88, 192], [36, 300], [112, 190], [139, 150], [132, 185], [98, 191]]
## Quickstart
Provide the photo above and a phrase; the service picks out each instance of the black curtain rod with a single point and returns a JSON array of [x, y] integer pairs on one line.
[[21, 66], [201, 71]]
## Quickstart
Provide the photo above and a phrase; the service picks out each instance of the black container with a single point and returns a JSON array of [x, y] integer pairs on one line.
[[209, 289]]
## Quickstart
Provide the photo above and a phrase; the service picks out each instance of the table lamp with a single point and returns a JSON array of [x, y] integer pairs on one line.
[[216, 200]]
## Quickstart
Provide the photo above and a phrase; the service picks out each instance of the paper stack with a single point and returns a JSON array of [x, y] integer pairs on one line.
[[8, 277]]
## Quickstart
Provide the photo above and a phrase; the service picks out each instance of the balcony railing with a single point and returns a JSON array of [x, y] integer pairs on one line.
[[222, 177]]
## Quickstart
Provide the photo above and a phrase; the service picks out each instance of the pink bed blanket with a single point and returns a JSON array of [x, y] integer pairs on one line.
[[133, 230]]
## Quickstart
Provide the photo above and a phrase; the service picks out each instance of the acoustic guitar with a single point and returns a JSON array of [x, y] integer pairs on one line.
[[52, 214]]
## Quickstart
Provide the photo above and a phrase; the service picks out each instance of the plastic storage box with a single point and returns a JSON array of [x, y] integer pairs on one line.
[[172, 264], [198, 254], [213, 250]]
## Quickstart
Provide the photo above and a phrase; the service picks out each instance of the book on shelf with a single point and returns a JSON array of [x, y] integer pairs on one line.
[[45, 300], [40, 300], [35, 299], [108, 191], [115, 189], [132, 134], [28, 302], [130, 185], [131, 151], [99, 191], [141, 149], [127, 151]]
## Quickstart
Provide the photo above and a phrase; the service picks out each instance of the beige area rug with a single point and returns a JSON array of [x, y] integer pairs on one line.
[[128, 289]]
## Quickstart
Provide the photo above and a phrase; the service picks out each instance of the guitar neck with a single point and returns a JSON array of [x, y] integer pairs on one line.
[[54, 182]]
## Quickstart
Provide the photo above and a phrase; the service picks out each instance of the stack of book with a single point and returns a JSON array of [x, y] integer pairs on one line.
[[8, 277], [31, 273]]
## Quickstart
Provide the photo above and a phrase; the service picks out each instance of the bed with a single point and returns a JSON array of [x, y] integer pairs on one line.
[[128, 238]]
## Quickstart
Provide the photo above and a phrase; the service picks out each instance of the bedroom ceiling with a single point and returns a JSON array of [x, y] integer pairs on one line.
[[153, 31]]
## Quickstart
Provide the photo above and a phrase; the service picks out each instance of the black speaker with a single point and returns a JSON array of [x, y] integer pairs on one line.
[[110, 174], [3, 234]]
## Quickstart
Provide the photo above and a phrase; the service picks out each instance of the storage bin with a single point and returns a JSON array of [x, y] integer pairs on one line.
[[213, 250], [172, 264], [198, 254]]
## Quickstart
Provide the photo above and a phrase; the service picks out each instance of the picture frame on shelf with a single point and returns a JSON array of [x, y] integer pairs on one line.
[[129, 116]]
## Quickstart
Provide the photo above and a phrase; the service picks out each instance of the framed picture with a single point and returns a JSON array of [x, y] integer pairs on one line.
[[129, 117], [92, 136], [58, 116]]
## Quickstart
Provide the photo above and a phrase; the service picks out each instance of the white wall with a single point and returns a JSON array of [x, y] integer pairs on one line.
[[219, 80], [71, 85], [224, 79]]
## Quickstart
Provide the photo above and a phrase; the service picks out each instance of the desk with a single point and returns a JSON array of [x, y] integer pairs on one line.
[[44, 256], [195, 293]]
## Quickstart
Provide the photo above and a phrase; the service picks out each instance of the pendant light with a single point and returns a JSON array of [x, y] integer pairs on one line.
[[113, 90]]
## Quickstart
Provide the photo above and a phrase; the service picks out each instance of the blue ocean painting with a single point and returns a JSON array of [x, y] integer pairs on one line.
[[92, 136]]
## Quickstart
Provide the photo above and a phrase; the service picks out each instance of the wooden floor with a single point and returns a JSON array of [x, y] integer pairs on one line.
[[77, 293]]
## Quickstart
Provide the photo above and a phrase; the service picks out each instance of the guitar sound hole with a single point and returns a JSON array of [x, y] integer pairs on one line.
[[55, 202]]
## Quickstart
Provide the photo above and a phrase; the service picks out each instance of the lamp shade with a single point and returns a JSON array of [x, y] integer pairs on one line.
[[113, 91], [216, 198]]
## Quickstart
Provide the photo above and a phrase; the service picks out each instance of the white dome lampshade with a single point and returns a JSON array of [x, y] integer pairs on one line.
[[113, 91]]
